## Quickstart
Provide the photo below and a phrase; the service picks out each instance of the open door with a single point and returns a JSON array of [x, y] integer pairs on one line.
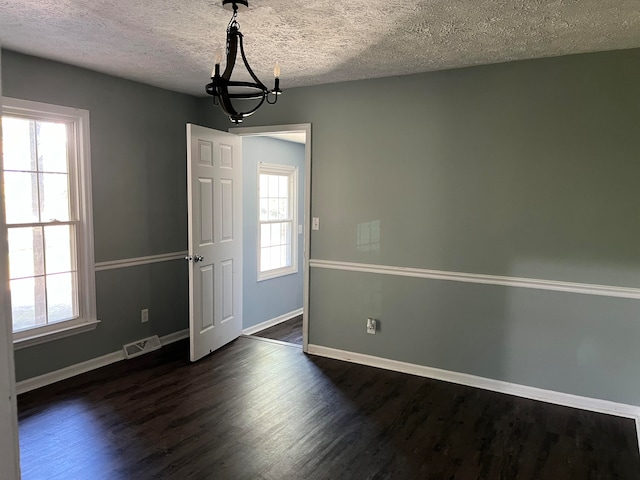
[[214, 188]]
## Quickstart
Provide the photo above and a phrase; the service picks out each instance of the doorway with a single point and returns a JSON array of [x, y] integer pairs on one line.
[[274, 302]]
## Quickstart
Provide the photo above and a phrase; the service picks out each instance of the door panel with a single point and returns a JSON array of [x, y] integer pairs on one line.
[[206, 206], [214, 169], [207, 296], [227, 291]]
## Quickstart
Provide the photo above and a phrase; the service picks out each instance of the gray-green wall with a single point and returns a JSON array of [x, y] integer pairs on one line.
[[524, 169], [138, 145]]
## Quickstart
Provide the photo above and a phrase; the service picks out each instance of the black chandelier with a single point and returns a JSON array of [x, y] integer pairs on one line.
[[224, 90]]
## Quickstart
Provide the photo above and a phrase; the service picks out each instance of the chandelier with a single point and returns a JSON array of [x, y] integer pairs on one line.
[[228, 93]]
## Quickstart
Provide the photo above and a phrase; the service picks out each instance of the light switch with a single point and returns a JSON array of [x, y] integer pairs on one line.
[[316, 223]]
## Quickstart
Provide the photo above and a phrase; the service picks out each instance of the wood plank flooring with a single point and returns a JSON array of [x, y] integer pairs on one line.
[[289, 331], [260, 410]]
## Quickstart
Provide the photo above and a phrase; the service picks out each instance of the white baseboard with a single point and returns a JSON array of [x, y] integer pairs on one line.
[[174, 337], [83, 367], [549, 396], [270, 323]]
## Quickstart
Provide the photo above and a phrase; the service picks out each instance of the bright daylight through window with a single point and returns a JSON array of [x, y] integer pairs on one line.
[[47, 200], [277, 252]]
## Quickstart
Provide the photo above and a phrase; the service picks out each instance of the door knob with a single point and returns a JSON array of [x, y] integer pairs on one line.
[[198, 258], [188, 258]]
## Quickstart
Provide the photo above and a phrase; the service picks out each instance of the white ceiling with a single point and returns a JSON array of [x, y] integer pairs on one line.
[[170, 44]]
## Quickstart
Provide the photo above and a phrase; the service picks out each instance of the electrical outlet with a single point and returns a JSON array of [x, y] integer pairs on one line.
[[315, 224], [144, 315], [371, 326]]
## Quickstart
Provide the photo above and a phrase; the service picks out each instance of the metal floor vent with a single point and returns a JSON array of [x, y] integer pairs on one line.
[[140, 347]]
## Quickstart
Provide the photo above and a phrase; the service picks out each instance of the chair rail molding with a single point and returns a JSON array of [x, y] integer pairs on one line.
[[518, 282]]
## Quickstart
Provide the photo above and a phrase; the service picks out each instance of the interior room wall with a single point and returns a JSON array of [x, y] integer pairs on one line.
[[138, 155], [268, 299], [518, 170]]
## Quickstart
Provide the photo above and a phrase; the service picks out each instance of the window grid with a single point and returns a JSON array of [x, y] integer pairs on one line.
[[277, 242], [45, 293]]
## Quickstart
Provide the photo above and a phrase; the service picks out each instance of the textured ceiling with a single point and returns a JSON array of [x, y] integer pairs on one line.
[[170, 44]]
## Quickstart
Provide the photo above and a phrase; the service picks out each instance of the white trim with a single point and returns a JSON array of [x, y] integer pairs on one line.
[[271, 340], [80, 198], [535, 283], [533, 393], [174, 337], [306, 221], [9, 444], [133, 262], [39, 338], [84, 367], [270, 323]]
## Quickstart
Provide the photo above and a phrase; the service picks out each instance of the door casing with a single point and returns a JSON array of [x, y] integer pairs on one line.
[[306, 222]]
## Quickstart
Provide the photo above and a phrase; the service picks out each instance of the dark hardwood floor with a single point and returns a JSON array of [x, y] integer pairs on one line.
[[289, 331], [261, 410]]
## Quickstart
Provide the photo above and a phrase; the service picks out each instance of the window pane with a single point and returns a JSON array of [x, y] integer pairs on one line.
[[265, 259], [264, 209], [54, 197], [287, 257], [28, 304], [287, 232], [21, 197], [52, 147], [265, 235], [60, 297], [58, 244], [273, 186], [18, 144], [273, 209], [275, 257], [276, 235], [283, 209], [26, 257], [283, 190]]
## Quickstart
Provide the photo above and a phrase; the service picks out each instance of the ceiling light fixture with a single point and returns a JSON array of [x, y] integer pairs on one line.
[[223, 89]]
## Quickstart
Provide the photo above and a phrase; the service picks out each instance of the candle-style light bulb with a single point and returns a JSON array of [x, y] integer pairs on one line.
[[218, 59], [276, 70]]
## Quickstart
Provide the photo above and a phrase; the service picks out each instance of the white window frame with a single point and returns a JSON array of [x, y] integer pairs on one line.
[[292, 173], [80, 168]]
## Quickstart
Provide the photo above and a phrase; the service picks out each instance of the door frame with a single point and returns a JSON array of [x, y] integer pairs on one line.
[[306, 129], [9, 444]]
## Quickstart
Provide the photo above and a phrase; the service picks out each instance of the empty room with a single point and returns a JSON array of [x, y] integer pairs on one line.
[[313, 239]]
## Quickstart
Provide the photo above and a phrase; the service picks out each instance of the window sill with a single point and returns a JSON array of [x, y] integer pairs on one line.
[[40, 338], [281, 272]]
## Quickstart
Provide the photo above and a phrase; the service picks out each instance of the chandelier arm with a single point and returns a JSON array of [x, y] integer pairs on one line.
[[275, 99], [252, 111], [226, 105], [246, 96], [246, 64], [232, 52], [231, 112]]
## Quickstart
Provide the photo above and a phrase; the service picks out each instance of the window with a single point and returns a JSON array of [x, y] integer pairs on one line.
[[277, 241], [48, 213]]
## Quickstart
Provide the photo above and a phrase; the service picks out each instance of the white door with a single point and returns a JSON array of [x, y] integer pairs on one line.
[[214, 184]]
